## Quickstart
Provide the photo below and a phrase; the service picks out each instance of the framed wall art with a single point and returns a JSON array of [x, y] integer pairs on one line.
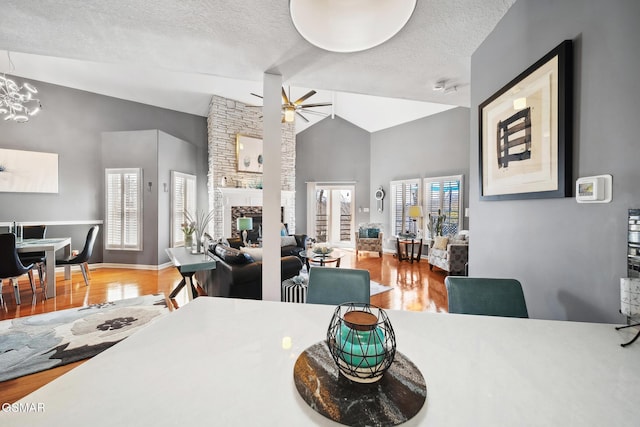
[[28, 171], [249, 154], [526, 132]]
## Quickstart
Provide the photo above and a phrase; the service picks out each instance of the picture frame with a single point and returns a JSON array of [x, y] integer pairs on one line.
[[28, 171], [249, 154], [525, 132]]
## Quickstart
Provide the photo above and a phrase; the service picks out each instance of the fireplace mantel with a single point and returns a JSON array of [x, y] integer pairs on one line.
[[253, 197]]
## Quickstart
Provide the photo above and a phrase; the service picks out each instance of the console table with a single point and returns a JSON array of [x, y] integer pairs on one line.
[[187, 264]]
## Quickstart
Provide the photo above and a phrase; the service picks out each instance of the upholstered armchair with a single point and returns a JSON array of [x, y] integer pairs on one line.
[[369, 238], [449, 254]]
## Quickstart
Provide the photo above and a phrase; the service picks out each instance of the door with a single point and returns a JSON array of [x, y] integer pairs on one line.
[[334, 214]]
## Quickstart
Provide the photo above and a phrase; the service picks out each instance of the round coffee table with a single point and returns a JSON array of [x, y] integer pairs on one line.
[[322, 260]]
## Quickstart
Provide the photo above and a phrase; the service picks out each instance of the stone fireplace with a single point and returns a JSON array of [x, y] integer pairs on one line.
[[232, 203]]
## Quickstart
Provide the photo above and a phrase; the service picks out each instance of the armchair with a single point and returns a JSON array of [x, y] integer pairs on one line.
[[450, 255], [369, 239]]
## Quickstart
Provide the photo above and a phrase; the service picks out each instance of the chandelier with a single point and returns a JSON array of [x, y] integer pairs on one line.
[[17, 102]]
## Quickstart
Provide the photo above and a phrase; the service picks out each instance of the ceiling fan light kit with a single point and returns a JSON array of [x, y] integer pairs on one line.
[[349, 25], [291, 109]]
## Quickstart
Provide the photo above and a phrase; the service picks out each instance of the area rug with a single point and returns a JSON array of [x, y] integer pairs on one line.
[[376, 288], [44, 341]]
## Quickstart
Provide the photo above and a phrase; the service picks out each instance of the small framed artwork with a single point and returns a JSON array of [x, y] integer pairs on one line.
[[526, 132], [249, 153]]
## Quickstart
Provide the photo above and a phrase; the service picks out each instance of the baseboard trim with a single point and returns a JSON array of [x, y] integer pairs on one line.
[[115, 265]]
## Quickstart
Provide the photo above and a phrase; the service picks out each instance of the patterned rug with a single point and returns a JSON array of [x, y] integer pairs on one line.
[[44, 341]]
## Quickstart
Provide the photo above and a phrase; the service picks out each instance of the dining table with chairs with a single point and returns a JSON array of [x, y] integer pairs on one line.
[[49, 246]]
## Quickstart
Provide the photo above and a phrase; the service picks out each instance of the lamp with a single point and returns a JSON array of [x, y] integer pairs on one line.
[[415, 212], [243, 224], [349, 25], [17, 102], [289, 114], [630, 303]]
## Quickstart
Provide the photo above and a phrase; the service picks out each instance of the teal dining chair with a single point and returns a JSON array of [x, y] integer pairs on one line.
[[335, 286], [486, 296]]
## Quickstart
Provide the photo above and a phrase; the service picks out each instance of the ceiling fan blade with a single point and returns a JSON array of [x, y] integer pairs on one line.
[[255, 94], [319, 104], [284, 96], [304, 97], [303, 117], [317, 113]]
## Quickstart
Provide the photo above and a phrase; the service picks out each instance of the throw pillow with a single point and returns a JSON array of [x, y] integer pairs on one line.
[[231, 255], [441, 243], [255, 253], [288, 241], [373, 233]]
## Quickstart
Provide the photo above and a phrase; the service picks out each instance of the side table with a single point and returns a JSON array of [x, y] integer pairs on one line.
[[294, 291], [406, 249]]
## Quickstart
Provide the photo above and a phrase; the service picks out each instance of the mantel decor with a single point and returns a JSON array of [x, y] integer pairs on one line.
[[526, 132], [249, 154]]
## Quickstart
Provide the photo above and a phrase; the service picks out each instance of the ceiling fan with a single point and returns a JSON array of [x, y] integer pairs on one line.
[[292, 108]]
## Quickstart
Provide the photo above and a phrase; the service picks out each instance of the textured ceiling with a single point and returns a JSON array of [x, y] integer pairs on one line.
[[190, 43]]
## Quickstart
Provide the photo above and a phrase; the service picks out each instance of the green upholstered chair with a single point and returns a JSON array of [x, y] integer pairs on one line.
[[490, 297], [335, 286]]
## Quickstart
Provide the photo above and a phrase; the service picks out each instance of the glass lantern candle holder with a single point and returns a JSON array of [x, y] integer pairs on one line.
[[361, 341]]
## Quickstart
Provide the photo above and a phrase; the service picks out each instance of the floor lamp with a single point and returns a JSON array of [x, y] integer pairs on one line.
[[243, 224]]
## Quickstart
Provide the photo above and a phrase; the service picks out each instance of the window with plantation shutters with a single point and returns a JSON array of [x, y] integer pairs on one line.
[[445, 194], [183, 198], [123, 217], [404, 193]]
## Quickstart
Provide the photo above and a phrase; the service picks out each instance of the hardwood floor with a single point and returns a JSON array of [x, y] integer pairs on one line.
[[415, 288]]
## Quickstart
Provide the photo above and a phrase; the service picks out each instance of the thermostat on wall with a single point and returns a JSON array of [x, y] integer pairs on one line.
[[594, 189]]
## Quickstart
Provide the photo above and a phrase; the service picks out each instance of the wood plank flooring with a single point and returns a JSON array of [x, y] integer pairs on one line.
[[415, 288]]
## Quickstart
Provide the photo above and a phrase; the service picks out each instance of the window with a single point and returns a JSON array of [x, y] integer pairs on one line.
[[403, 194], [445, 193], [123, 227], [183, 197]]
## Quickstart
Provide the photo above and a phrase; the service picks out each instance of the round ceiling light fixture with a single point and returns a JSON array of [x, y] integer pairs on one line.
[[349, 25]]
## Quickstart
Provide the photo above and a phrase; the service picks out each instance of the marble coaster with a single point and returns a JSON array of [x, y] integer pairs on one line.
[[396, 398]]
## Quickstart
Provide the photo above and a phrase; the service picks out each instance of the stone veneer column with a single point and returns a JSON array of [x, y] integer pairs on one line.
[[227, 118]]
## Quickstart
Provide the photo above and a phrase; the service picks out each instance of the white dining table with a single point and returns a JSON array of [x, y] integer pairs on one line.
[[49, 247], [237, 359]]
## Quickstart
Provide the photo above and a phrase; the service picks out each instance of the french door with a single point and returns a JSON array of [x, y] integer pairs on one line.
[[333, 214]]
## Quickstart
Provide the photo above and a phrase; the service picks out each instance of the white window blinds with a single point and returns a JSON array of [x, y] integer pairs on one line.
[[183, 197], [445, 193], [404, 193], [123, 228]]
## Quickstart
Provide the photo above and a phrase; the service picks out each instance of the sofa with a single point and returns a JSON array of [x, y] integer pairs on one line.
[[238, 275], [450, 254], [290, 245]]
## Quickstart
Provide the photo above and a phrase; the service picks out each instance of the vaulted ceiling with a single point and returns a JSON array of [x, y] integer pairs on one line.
[[175, 54]]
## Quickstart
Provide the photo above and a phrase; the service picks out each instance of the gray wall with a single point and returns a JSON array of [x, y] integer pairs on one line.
[[568, 256], [332, 150], [71, 124], [173, 155], [437, 145]]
